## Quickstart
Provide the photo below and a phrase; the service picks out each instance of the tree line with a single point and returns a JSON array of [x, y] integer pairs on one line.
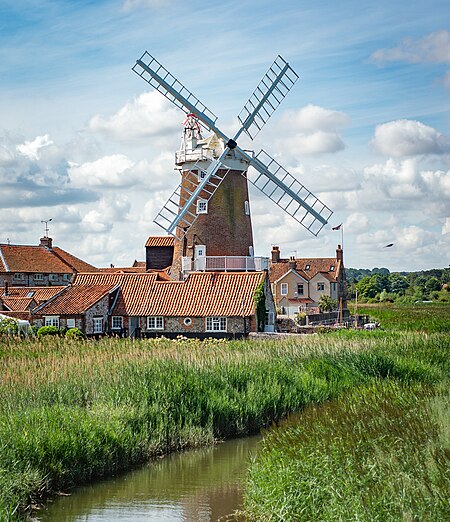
[[379, 284]]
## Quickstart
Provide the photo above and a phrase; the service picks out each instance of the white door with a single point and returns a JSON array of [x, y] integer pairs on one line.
[[200, 257]]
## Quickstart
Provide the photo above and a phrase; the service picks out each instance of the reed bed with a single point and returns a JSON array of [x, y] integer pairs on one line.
[[74, 410]]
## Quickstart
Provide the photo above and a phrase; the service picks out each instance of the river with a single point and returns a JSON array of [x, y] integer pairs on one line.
[[201, 485]]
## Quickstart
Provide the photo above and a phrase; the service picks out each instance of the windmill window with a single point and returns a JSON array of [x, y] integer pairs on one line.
[[320, 287], [201, 174], [251, 251], [284, 288], [202, 206], [246, 208], [216, 324]]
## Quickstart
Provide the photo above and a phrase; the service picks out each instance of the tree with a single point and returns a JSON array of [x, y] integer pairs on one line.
[[367, 287], [398, 284], [326, 304], [433, 284]]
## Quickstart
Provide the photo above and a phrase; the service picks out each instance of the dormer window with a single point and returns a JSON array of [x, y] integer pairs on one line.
[[332, 268], [308, 267], [18, 277]]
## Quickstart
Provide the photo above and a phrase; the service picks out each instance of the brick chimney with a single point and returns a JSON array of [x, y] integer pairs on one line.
[[292, 263], [46, 242], [275, 254], [340, 254]]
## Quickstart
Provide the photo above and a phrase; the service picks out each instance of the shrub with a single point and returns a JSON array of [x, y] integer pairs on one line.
[[8, 326], [74, 333], [47, 330]]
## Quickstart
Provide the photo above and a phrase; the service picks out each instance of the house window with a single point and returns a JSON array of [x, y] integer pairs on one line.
[[320, 287], [18, 277], [246, 208], [117, 322], [332, 268], [284, 289], [216, 324], [52, 320], [202, 206], [70, 323], [98, 325], [155, 323], [53, 277], [333, 286], [300, 289], [187, 321], [308, 267], [38, 277]]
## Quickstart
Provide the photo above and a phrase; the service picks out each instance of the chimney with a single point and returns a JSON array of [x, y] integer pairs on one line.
[[46, 242], [275, 254], [340, 254], [292, 263], [5, 293]]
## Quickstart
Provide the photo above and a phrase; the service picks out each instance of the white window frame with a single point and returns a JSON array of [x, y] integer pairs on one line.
[[320, 287], [216, 324], [38, 277], [284, 288], [155, 322], [201, 174], [72, 323], [53, 277], [116, 322], [247, 208], [51, 320], [202, 206], [302, 291], [18, 276], [95, 322]]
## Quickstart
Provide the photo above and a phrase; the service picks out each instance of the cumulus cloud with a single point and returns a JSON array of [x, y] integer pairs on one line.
[[109, 211], [433, 48], [108, 171], [312, 130], [408, 138], [31, 149], [149, 115]]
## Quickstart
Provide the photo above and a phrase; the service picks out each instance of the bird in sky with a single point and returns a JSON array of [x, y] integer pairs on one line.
[[390, 245]]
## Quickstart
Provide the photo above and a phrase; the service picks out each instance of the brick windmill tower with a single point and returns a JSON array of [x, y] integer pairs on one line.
[[209, 212]]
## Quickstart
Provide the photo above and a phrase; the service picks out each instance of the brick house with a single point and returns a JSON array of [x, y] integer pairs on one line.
[[42, 265], [298, 283]]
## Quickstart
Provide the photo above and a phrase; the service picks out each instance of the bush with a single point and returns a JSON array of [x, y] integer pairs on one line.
[[8, 326], [74, 333], [47, 330]]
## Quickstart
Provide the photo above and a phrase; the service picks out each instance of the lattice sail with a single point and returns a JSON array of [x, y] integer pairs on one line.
[[288, 193], [270, 92], [148, 68]]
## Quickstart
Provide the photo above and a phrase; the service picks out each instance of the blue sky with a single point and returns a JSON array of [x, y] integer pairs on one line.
[[366, 128]]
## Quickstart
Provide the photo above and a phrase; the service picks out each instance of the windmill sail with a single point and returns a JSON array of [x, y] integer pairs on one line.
[[288, 193], [270, 92]]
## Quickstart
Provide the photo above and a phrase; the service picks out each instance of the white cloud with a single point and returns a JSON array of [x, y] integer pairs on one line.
[[407, 138], [312, 118], [31, 149], [109, 211], [356, 223], [433, 48], [149, 115], [446, 226], [108, 171]]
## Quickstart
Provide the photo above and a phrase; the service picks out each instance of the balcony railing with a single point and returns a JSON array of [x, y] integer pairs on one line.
[[225, 264]]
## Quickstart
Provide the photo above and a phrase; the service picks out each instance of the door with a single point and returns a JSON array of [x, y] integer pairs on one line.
[[134, 327], [200, 257]]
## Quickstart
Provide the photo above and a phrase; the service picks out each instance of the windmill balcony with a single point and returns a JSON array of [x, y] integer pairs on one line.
[[225, 264]]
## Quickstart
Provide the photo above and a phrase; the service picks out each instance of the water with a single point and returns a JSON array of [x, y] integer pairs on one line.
[[199, 485]]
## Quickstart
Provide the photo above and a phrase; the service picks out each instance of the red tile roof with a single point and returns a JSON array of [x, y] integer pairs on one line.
[[202, 294], [122, 270], [39, 259], [160, 241], [74, 300], [40, 293], [316, 265], [18, 304], [107, 278]]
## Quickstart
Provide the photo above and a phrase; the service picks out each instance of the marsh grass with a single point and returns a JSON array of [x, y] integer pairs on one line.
[[74, 410], [378, 454]]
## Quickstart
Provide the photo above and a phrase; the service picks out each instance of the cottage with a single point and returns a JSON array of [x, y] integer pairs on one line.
[[42, 265], [299, 283]]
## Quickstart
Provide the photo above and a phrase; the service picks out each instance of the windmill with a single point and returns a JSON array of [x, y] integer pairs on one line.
[[222, 168]]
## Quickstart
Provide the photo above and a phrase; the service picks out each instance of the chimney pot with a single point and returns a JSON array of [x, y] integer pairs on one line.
[[46, 242], [275, 254], [292, 263]]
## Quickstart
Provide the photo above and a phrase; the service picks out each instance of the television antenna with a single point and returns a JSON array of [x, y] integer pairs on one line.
[[46, 221], [178, 214]]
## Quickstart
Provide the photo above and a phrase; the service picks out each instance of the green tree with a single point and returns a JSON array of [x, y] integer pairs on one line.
[[398, 284], [433, 284], [326, 304], [367, 287]]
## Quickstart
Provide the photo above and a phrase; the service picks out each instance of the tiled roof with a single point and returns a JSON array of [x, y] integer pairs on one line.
[[74, 300], [122, 270], [139, 264], [202, 294], [16, 315], [160, 241], [39, 259], [108, 278], [40, 293], [315, 265], [18, 304]]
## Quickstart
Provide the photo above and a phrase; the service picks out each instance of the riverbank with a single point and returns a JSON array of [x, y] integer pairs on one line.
[[379, 452], [73, 411]]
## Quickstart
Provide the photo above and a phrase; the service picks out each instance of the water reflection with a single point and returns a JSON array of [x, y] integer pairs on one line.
[[200, 485]]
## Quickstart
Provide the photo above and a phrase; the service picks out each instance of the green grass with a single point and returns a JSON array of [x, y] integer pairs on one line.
[[74, 410]]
